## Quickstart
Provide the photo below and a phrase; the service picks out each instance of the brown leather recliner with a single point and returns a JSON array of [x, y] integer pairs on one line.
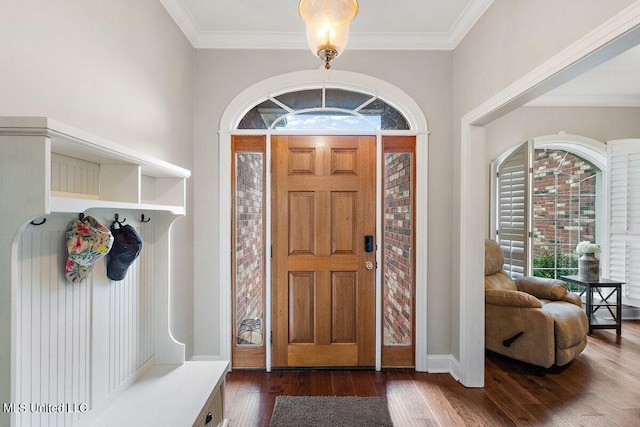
[[531, 319]]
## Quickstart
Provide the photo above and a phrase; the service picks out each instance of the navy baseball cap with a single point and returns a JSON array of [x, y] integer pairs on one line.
[[127, 245]]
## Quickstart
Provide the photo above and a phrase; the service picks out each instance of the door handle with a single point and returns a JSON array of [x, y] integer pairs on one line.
[[368, 265]]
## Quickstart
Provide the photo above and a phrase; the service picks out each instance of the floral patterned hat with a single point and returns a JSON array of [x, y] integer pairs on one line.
[[87, 242]]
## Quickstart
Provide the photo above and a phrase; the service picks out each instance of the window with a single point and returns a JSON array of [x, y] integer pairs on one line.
[[398, 252], [547, 200], [566, 210], [322, 109], [248, 251]]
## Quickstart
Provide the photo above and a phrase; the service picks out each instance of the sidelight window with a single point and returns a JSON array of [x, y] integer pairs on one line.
[[248, 253]]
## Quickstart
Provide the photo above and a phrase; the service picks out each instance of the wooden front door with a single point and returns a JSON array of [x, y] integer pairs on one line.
[[323, 206]]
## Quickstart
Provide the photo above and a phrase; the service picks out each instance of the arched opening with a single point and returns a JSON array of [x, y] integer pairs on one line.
[[562, 205], [381, 110]]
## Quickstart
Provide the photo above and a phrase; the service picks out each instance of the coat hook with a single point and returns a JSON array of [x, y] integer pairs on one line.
[[39, 223], [143, 220], [117, 220]]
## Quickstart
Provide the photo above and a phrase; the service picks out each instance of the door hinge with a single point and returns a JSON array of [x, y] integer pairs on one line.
[[270, 337]]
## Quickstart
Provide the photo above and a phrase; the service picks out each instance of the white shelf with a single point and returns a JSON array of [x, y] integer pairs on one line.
[[72, 142], [84, 166], [65, 204]]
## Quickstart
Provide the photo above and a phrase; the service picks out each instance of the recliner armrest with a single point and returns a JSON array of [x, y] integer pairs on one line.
[[542, 287], [511, 298], [573, 298]]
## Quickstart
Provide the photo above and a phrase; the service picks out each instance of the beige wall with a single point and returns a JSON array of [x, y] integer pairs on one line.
[[599, 123], [118, 69], [510, 40], [223, 74]]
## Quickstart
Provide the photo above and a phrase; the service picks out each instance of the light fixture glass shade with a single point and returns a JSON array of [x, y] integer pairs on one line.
[[327, 23]]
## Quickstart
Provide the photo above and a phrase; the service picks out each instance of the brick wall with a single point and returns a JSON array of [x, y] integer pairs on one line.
[[564, 211], [398, 235], [249, 248]]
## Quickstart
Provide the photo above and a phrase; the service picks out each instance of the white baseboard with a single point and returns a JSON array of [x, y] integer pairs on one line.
[[444, 364]]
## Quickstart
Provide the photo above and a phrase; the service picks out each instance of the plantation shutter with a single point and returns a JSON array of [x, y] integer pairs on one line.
[[513, 193], [623, 213]]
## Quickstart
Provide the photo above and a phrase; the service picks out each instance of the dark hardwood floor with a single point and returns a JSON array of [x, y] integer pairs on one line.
[[601, 387]]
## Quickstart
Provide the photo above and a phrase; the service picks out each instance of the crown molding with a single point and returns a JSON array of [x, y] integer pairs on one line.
[[183, 18], [585, 101], [467, 19], [297, 40]]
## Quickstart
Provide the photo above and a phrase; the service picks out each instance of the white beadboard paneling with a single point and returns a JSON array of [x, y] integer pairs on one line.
[[70, 175], [54, 318], [146, 303], [130, 316], [57, 361]]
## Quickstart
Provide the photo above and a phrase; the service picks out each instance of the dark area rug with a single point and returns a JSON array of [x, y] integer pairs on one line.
[[309, 411]]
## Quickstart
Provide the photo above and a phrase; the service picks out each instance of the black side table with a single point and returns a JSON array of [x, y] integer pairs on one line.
[[592, 305]]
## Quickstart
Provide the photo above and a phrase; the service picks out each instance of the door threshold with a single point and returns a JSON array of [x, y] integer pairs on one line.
[[321, 368]]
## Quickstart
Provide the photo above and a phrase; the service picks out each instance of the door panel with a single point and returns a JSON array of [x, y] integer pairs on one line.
[[344, 307], [323, 202], [344, 211], [301, 306], [302, 223]]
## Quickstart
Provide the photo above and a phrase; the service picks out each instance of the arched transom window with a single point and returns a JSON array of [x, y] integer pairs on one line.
[[324, 108]]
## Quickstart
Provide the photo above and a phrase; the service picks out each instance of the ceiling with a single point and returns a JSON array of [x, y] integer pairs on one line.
[[380, 24], [385, 24]]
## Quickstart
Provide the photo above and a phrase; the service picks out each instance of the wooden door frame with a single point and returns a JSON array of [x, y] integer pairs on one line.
[[421, 244]]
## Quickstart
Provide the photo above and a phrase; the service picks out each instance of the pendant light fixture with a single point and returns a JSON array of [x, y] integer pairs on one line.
[[327, 23]]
